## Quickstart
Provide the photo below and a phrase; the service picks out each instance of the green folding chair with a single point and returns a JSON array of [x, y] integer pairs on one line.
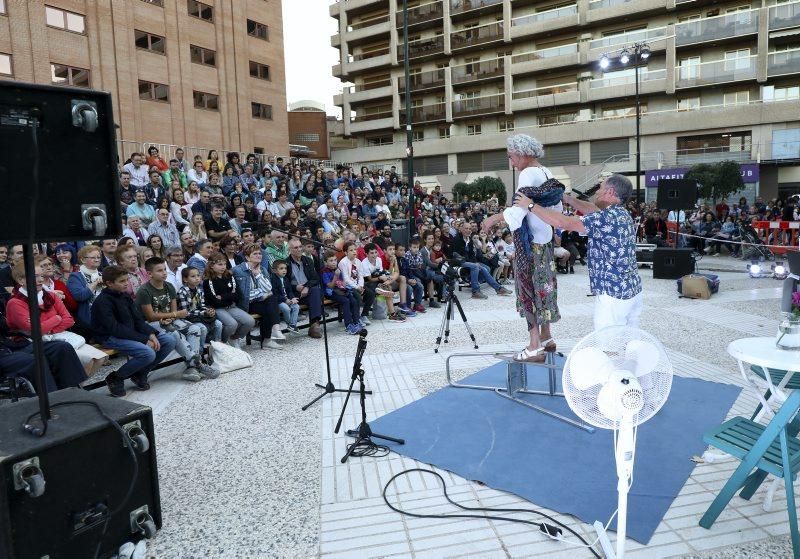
[[762, 449], [777, 377]]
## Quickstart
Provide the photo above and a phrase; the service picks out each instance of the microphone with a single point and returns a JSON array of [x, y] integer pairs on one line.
[[362, 341], [586, 195]]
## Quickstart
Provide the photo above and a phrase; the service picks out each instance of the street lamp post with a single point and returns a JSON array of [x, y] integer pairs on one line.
[[637, 54], [409, 134]]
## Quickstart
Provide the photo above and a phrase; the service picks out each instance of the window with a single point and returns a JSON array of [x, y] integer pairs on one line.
[[199, 55], [148, 41], [262, 111], [689, 104], [737, 60], [150, 91], [200, 10], [505, 124], [5, 64], [623, 112], [473, 129], [689, 68], [559, 118], [255, 29], [307, 138], [159, 3], [774, 92], [715, 143], [736, 98], [67, 75], [444, 132], [260, 71], [374, 141], [206, 101], [63, 19], [418, 135]]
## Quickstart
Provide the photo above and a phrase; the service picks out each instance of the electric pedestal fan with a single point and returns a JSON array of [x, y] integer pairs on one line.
[[617, 378]]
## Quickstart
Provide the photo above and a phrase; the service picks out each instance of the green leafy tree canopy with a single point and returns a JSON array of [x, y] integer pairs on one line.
[[717, 180]]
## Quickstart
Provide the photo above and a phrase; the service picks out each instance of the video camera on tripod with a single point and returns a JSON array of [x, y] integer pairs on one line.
[[451, 268]]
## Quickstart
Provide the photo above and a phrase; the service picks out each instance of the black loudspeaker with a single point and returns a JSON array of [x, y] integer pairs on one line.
[[400, 231], [62, 138], [87, 471], [676, 194], [672, 263]]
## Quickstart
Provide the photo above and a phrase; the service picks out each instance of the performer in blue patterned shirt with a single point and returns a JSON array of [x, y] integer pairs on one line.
[[613, 272]]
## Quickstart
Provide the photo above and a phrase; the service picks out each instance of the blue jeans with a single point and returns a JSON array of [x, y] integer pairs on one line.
[[415, 293], [289, 312], [480, 272], [141, 357], [314, 301], [350, 305]]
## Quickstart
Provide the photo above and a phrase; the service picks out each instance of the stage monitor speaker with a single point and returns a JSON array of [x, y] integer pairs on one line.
[[62, 138], [86, 470], [672, 263], [400, 231], [676, 194]]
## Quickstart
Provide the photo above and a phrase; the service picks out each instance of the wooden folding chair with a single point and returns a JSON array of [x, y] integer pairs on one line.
[[763, 450]]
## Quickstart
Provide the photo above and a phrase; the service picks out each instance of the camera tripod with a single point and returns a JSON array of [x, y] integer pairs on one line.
[[444, 329]]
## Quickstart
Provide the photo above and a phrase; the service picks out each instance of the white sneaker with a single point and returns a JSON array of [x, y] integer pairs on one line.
[[237, 343], [255, 332], [272, 344], [277, 334]]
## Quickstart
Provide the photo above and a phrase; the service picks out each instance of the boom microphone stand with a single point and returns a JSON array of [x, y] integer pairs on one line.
[[364, 445], [329, 387]]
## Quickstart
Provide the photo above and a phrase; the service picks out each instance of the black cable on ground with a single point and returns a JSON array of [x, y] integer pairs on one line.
[[366, 447], [128, 444], [548, 529]]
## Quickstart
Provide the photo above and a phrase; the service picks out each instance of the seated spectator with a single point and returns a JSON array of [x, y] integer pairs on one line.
[[175, 172], [378, 282], [118, 324], [463, 245], [197, 227], [128, 259], [84, 286], [202, 206], [66, 261], [158, 301], [217, 227], [156, 246], [351, 276], [275, 247], [199, 259], [497, 246], [53, 285], [175, 266], [136, 231], [433, 278], [107, 248], [180, 210], [655, 230], [229, 180], [229, 247], [141, 208], [728, 232], [143, 254], [219, 288], [238, 220], [155, 189], [155, 160], [284, 296], [187, 245], [61, 368], [191, 299], [167, 231], [305, 280], [254, 291], [412, 267], [345, 298], [198, 174], [136, 170]]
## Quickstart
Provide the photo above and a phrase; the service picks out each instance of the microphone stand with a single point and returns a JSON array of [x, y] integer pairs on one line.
[[329, 387]]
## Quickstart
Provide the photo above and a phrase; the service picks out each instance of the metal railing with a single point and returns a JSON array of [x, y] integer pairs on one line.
[[460, 6], [597, 4], [359, 87], [423, 80], [472, 106], [783, 62], [545, 15], [629, 37], [422, 47], [544, 53], [476, 35], [718, 27], [425, 113], [370, 54], [718, 71], [423, 12], [784, 15], [377, 20], [614, 81], [377, 115], [544, 91], [477, 70]]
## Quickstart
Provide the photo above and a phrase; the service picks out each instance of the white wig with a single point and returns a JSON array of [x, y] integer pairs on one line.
[[523, 144]]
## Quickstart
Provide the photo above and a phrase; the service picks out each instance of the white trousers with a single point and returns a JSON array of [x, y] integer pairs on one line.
[[609, 311]]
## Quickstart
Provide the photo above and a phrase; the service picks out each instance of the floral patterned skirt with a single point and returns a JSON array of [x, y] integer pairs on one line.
[[536, 284]]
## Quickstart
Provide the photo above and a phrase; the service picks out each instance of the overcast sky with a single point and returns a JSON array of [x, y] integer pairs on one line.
[[307, 30]]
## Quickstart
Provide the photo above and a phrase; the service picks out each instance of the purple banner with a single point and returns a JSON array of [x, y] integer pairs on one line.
[[750, 174]]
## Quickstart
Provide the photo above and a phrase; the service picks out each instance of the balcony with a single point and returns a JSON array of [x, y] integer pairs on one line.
[[458, 7], [425, 114], [363, 24], [383, 112], [727, 26], [597, 4], [693, 156], [719, 71], [617, 81], [545, 21], [784, 62], [365, 93], [419, 15], [474, 106], [628, 38], [420, 48], [363, 61], [784, 16], [477, 36], [542, 54], [422, 81], [545, 59], [370, 54], [478, 71], [543, 97]]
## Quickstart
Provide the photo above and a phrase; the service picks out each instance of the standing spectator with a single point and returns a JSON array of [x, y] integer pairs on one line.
[[255, 290], [137, 171], [118, 324], [351, 276]]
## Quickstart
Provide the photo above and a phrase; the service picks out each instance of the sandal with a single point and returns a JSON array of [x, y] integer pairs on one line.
[[549, 345], [530, 356]]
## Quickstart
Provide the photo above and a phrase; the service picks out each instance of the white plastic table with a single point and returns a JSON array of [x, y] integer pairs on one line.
[[763, 353]]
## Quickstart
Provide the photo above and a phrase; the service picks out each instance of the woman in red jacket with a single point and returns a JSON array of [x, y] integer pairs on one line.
[[53, 285], [155, 160]]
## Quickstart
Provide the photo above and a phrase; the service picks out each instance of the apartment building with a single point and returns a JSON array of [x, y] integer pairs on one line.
[[722, 82], [204, 74]]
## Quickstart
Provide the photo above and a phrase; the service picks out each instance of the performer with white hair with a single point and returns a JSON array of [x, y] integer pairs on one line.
[[534, 264], [613, 272]]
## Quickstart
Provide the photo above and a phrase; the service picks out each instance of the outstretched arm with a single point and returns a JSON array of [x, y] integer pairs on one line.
[[556, 219]]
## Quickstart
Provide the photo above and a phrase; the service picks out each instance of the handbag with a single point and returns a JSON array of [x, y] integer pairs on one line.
[[73, 339], [227, 358]]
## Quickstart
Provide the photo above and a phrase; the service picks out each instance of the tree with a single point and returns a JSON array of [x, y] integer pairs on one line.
[[482, 189], [717, 180]]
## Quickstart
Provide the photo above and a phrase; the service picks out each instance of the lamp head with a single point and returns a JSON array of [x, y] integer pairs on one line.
[[605, 62]]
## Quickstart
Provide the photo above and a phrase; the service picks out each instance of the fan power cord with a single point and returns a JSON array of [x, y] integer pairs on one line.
[[366, 447], [552, 531], [128, 444]]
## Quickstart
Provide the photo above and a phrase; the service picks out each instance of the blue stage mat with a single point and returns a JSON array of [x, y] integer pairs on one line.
[[482, 436]]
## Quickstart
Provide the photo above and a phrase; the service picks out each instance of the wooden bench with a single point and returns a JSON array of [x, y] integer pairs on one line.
[[325, 303]]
